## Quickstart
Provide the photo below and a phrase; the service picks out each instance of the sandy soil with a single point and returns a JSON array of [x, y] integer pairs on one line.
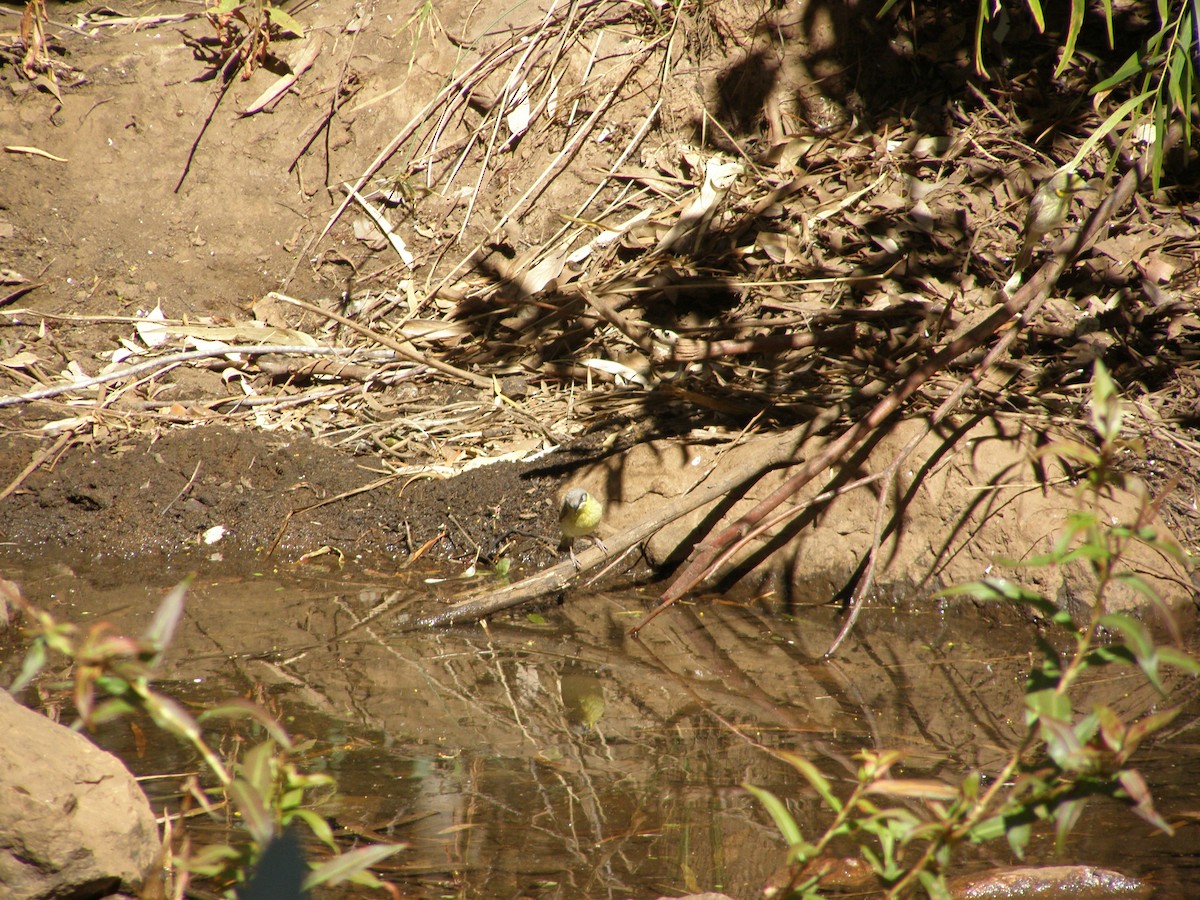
[[124, 222]]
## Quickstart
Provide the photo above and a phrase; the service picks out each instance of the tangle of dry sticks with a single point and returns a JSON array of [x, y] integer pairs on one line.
[[1020, 307]]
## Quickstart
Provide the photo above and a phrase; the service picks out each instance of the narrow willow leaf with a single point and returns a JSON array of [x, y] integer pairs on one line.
[[1175, 77], [1066, 815], [1159, 151], [1077, 11], [1179, 660], [166, 620], [1114, 119], [253, 811], [346, 865], [814, 777], [981, 18], [1039, 18], [317, 823], [779, 814]]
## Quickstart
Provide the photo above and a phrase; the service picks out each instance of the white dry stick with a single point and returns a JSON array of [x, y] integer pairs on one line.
[[719, 176], [385, 226]]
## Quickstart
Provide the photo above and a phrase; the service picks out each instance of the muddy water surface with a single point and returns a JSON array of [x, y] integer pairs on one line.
[[550, 755]]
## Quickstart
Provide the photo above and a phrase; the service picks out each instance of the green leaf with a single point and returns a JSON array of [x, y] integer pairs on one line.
[[258, 769], [239, 707], [1131, 630], [1143, 728], [988, 830], [1138, 585], [166, 620], [171, 716], [934, 884], [317, 823], [110, 710], [1159, 116], [1018, 837], [981, 18], [1143, 804], [1114, 119], [1112, 729], [970, 785], [35, 661], [284, 22], [347, 865], [292, 799], [1108, 20], [1077, 11], [1066, 815], [1103, 656], [1039, 18], [779, 814], [1179, 660], [250, 804], [814, 777], [1000, 589], [210, 861], [1106, 404], [1175, 77], [1132, 66], [1062, 745], [1070, 451], [1048, 704]]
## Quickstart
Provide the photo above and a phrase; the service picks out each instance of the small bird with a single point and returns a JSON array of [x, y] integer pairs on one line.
[[580, 516], [1047, 210]]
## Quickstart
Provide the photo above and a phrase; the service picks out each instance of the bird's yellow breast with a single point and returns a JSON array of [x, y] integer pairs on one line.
[[581, 513]]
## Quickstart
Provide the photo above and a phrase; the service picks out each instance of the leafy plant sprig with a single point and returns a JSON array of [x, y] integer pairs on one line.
[[1063, 759], [113, 677]]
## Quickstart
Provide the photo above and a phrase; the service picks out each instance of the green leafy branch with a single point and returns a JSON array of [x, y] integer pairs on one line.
[[1062, 760], [113, 677], [1161, 72]]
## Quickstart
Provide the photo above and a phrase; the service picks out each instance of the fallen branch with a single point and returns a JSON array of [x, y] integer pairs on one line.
[[559, 577], [165, 362]]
